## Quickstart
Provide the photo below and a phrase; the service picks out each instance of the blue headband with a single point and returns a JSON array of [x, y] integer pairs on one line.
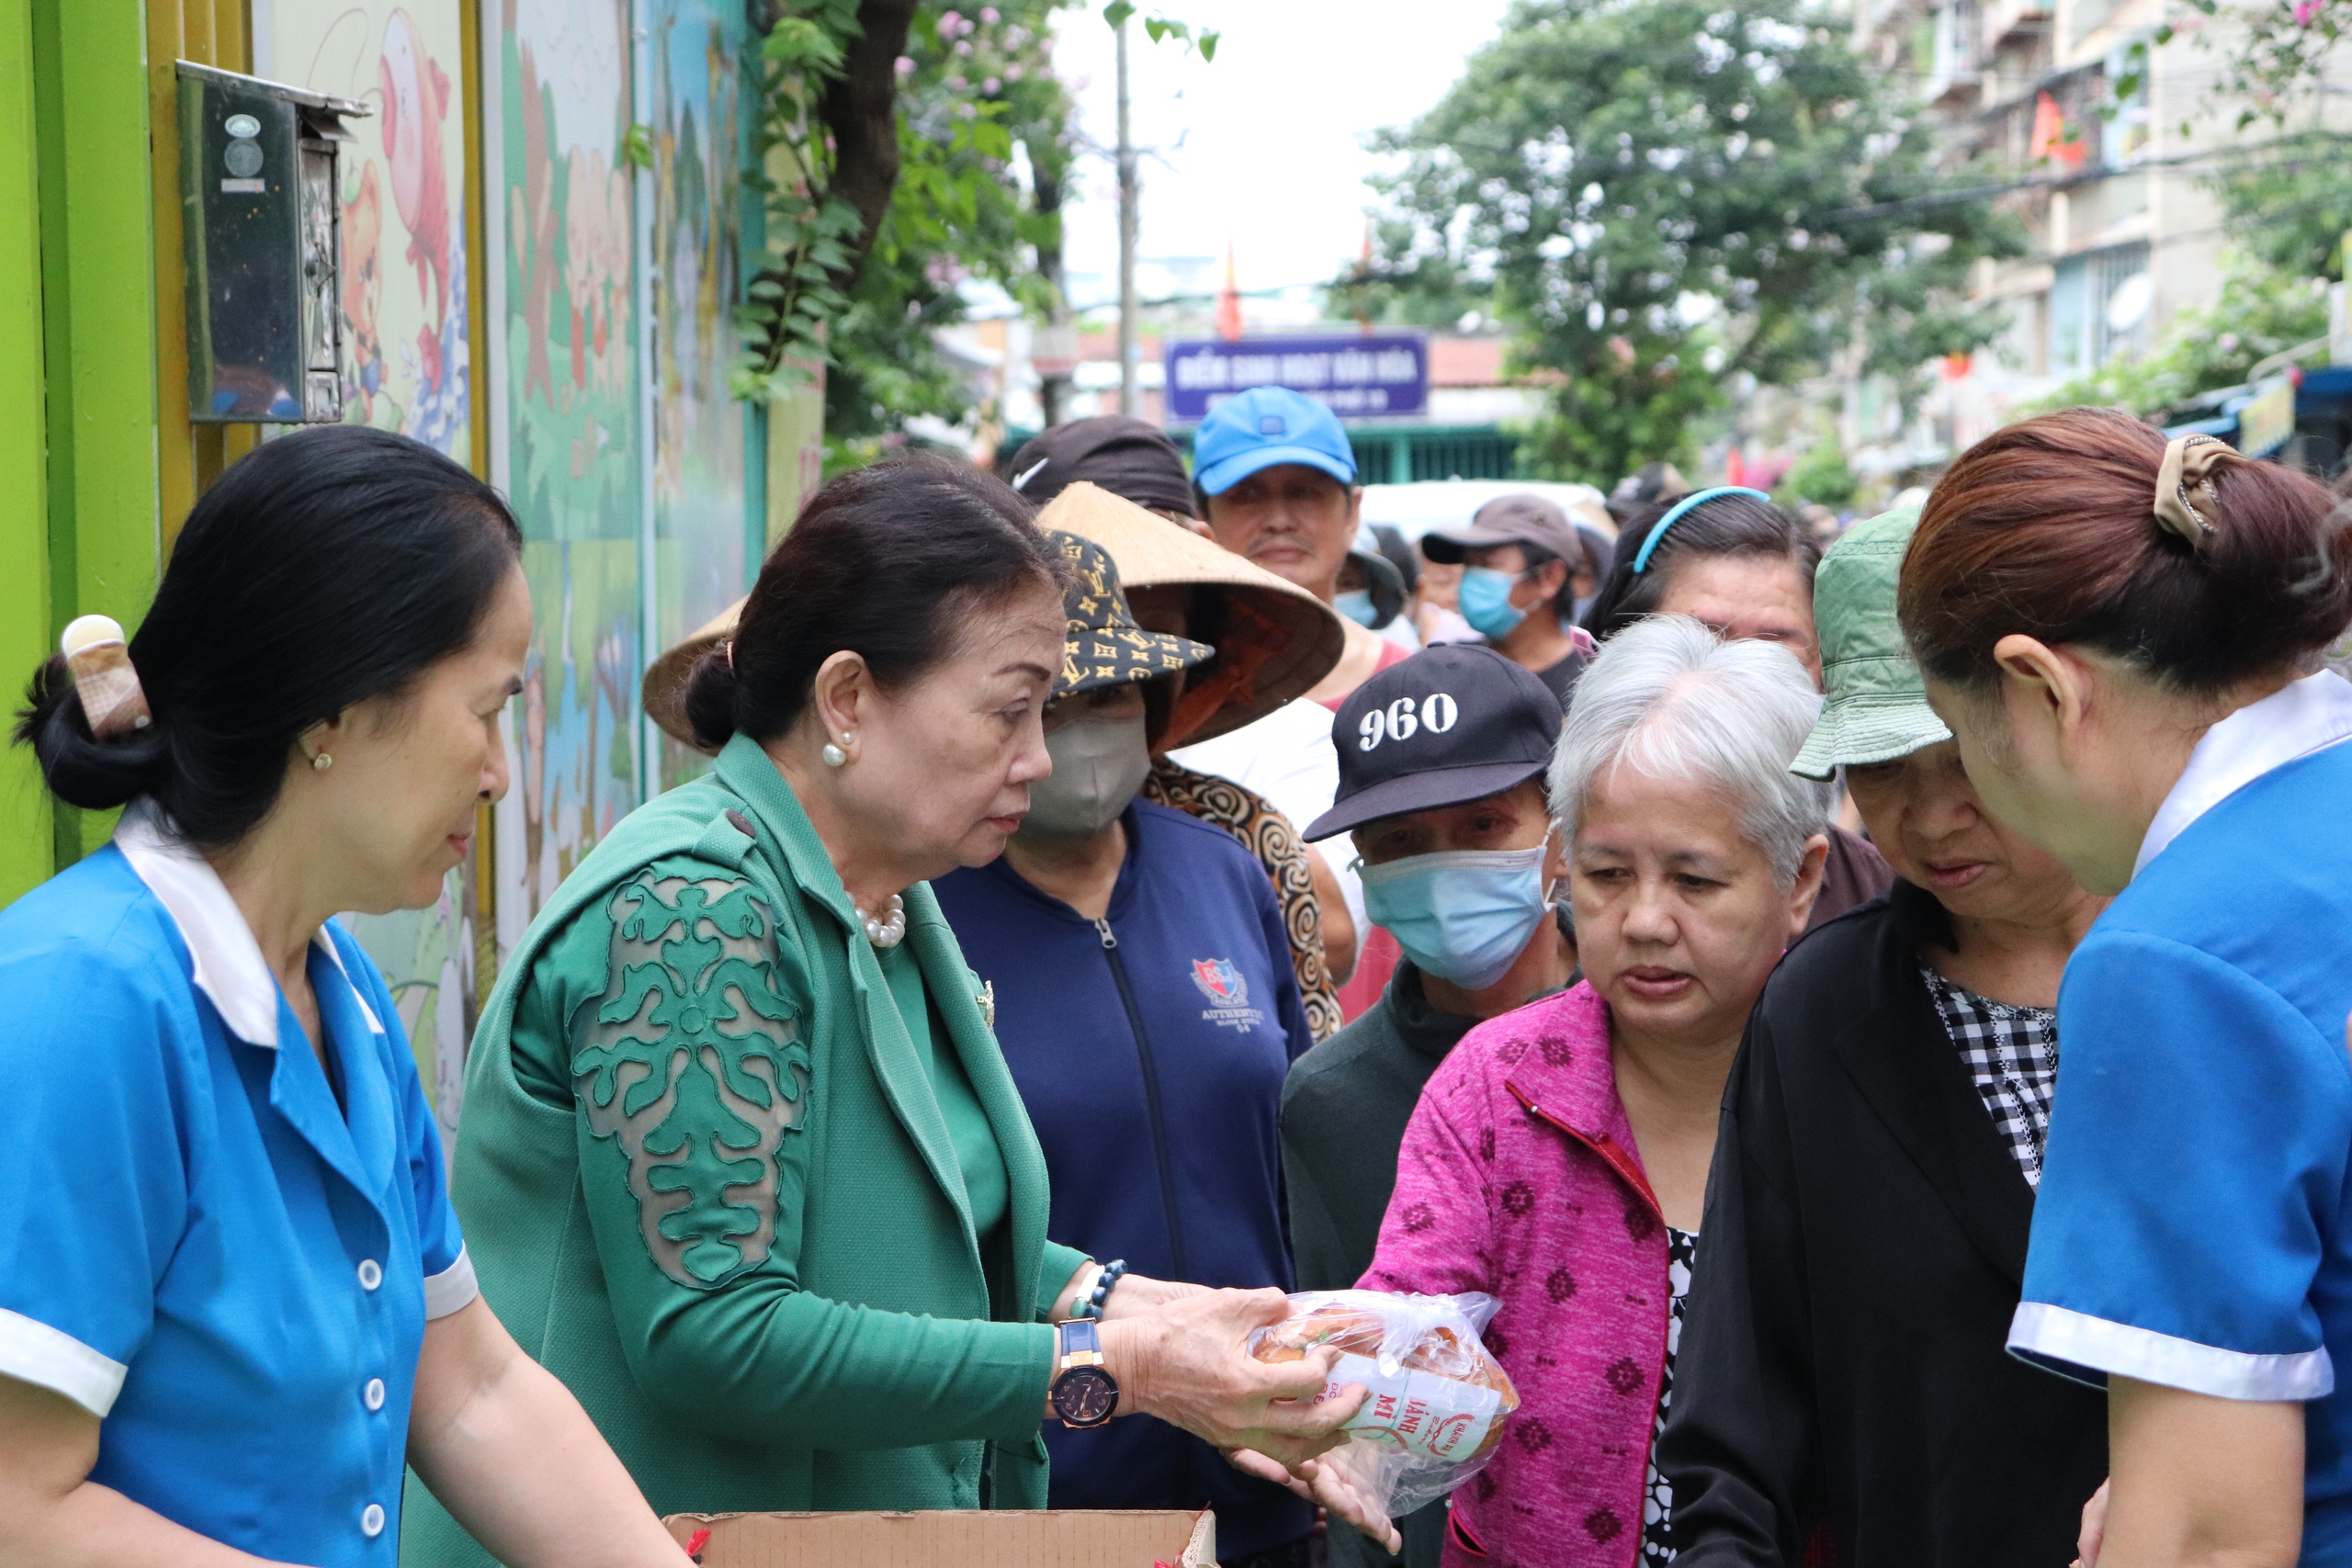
[[1649, 546]]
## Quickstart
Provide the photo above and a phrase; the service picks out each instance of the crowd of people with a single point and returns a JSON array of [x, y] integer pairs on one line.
[[1124, 893]]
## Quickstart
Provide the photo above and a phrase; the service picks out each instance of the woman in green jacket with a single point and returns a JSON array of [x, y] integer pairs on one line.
[[740, 1160]]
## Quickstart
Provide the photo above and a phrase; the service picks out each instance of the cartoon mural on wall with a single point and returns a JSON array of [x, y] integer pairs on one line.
[[701, 143], [407, 367], [564, 439]]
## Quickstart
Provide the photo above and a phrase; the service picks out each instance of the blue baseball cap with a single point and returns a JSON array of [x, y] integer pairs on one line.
[[1261, 427]]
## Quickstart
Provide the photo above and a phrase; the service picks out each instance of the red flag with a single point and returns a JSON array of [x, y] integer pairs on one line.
[[2050, 137], [1228, 302]]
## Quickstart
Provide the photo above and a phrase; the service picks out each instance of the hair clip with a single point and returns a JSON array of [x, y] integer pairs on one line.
[[112, 700], [1642, 557], [2186, 477]]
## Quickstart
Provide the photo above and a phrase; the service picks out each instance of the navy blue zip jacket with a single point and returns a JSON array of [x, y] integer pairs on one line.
[[1153, 1071]]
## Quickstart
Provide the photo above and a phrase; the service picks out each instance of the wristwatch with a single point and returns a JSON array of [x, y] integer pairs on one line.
[[1083, 1393]]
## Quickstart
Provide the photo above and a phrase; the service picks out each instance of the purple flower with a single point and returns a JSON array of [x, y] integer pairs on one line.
[[987, 15], [991, 86], [906, 67], [2305, 10], [948, 23]]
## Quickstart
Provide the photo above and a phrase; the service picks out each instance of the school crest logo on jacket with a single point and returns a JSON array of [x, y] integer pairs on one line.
[[1228, 993]]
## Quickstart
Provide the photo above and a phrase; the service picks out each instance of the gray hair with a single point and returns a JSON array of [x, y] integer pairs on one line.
[[1670, 698]]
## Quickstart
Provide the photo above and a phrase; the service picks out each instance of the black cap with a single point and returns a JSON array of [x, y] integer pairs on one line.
[[1129, 457], [1453, 723]]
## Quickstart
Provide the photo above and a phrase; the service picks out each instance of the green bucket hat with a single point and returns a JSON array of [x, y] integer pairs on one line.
[[1877, 705], [1103, 645]]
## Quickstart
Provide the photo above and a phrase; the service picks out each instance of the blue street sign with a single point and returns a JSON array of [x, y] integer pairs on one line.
[[1357, 377]]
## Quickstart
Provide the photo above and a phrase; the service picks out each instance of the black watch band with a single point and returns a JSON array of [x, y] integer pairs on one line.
[[1083, 1393]]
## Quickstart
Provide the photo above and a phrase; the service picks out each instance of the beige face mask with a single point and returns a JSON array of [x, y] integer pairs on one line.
[[1099, 764]]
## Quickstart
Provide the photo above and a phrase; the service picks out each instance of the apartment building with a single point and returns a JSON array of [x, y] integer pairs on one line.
[[2106, 141]]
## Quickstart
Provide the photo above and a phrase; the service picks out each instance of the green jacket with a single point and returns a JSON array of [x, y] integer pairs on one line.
[[705, 1181]]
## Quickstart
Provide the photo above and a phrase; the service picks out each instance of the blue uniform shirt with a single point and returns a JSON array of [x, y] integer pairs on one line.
[[2190, 1229], [1163, 1150], [195, 1244]]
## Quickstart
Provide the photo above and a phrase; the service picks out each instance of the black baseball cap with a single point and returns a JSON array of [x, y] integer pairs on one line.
[[1129, 457], [1452, 724]]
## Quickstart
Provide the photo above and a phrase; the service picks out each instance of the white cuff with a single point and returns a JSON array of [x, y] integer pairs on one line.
[[32, 1352], [2064, 1341], [452, 1288]]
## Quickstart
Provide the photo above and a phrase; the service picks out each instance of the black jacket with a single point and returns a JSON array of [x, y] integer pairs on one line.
[[1841, 1366]]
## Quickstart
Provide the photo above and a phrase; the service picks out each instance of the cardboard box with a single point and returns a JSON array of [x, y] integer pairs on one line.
[[1007, 1539]]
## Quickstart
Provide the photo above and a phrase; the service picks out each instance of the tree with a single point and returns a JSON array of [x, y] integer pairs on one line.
[[2289, 209], [889, 132], [1657, 195]]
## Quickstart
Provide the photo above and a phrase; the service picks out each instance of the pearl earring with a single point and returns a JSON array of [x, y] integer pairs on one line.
[[835, 756], [322, 762]]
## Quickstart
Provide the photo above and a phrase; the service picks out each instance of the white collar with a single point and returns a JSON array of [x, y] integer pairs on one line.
[[2298, 719], [227, 961]]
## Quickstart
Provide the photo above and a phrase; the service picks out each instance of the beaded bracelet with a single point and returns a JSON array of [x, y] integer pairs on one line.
[[1091, 1307]]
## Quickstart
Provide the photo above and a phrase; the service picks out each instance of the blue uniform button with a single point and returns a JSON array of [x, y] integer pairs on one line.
[[371, 1520], [374, 1393], [371, 1274]]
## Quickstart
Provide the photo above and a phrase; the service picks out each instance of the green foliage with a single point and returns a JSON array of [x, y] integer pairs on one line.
[[2273, 54], [811, 233], [2260, 312], [970, 88], [1658, 196], [1161, 28], [1820, 475], [2290, 210]]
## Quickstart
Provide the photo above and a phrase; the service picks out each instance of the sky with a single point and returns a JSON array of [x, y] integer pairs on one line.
[[1264, 147]]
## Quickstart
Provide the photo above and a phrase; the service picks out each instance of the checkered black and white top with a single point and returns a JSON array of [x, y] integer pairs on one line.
[[2012, 1052]]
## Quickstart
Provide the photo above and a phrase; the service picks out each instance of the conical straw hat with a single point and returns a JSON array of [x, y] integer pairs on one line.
[[664, 688], [1277, 639]]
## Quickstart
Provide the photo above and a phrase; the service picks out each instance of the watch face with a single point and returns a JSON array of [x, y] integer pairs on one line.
[[1085, 1396]]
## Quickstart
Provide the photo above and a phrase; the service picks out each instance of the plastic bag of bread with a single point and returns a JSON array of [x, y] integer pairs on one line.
[[1437, 1399]]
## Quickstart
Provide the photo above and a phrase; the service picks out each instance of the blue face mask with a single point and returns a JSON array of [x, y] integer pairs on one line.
[[1356, 605], [1484, 599], [1465, 915]]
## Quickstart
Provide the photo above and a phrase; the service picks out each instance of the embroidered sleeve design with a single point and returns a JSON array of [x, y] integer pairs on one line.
[[691, 1063]]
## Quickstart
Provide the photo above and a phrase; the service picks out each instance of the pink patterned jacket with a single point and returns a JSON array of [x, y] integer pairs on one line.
[[1518, 1177]]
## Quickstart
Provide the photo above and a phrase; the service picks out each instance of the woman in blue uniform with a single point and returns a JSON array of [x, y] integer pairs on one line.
[[2122, 634], [233, 1301]]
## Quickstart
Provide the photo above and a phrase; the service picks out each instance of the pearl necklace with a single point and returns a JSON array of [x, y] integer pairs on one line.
[[891, 928]]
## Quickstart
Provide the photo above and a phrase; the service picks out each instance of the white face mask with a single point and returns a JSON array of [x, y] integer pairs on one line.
[[1099, 764]]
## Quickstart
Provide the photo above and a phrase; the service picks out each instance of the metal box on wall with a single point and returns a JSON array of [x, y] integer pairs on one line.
[[262, 222]]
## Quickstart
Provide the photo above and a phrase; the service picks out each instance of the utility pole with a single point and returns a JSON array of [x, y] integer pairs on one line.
[[1127, 345]]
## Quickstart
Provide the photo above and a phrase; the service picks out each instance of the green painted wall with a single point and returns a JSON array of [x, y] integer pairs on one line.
[[24, 829], [94, 215]]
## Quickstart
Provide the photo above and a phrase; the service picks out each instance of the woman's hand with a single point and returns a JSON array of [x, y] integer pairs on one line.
[[2094, 1532], [1136, 1295], [1332, 1482], [1187, 1363]]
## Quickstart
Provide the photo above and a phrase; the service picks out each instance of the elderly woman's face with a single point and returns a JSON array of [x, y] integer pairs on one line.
[[1928, 820], [944, 765], [1679, 917]]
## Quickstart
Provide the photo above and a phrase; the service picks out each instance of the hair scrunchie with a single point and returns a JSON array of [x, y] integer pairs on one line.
[[2186, 478]]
